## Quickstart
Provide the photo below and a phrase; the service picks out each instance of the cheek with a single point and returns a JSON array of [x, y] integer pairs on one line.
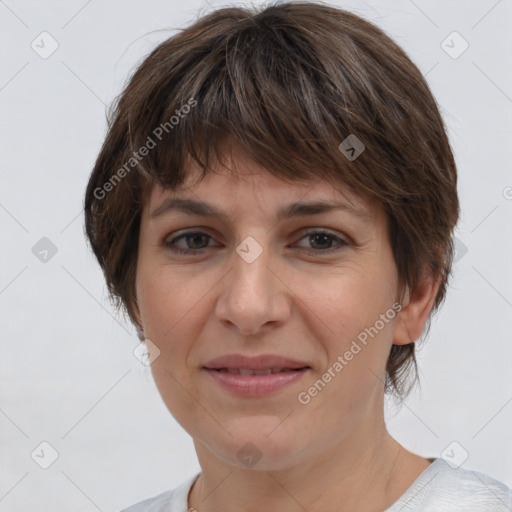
[[167, 308], [164, 296], [174, 308], [357, 309], [347, 304], [161, 304]]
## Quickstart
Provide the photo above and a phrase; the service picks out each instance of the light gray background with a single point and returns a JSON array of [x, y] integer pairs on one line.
[[68, 373]]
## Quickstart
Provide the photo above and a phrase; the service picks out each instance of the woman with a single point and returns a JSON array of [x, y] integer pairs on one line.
[[274, 206]]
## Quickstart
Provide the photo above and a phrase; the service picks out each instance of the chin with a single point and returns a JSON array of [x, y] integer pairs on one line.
[[259, 445]]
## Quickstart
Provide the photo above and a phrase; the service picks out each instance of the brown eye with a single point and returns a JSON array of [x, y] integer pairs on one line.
[[322, 241], [194, 241]]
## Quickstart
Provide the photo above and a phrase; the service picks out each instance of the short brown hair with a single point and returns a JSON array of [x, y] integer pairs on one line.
[[289, 82]]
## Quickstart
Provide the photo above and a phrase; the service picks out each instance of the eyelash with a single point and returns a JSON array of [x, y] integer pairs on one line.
[[342, 243]]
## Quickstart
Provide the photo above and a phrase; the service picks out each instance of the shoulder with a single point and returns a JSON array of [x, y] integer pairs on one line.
[[442, 487], [154, 504], [174, 500], [473, 490]]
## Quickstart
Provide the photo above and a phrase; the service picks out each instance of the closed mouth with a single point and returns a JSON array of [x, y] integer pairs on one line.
[[246, 371]]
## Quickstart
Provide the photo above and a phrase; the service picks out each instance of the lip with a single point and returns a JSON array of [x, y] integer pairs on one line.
[[255, 385], [260, 362]]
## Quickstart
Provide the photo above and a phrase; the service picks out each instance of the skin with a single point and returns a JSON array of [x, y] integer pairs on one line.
[[333, 453]]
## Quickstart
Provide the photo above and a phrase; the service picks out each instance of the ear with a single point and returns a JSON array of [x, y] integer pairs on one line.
[[416, 308], [140, 333], [137, 322]]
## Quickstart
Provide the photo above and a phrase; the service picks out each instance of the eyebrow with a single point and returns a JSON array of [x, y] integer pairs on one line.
[[298, 209]]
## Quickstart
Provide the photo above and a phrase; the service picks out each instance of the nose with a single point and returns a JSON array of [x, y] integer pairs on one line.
[[253, 296]]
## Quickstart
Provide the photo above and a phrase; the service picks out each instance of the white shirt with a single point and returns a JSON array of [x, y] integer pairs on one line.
[[440, 488]]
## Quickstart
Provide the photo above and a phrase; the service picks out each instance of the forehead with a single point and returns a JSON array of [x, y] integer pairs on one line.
[[239, 179]]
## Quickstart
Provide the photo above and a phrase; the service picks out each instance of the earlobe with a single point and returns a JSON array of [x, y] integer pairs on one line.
[[137, 322], [416, 307]]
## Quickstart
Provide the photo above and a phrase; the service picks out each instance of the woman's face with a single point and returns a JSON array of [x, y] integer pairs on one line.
[[258, 284]]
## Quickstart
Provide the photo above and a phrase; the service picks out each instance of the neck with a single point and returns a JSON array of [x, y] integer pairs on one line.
[[365, 472]]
